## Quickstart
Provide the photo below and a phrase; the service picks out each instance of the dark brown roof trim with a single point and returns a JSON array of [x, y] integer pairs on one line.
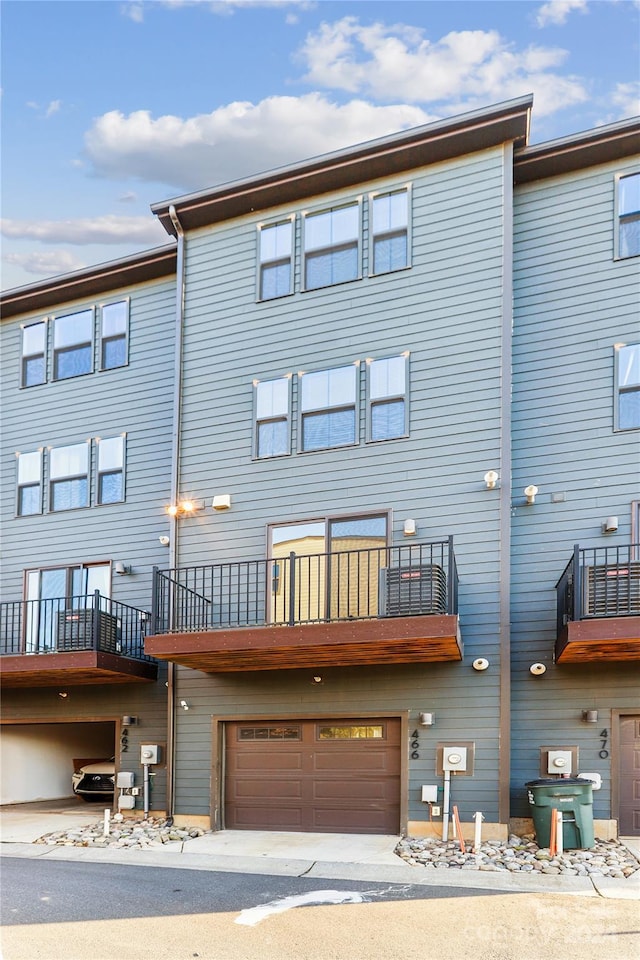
[[90, 282], [346, 168], [602, 145]]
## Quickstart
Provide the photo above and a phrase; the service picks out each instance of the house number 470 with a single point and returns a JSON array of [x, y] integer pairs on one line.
[[604, 739]]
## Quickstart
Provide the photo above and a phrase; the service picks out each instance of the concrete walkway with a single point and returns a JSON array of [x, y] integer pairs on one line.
[[317, 855]]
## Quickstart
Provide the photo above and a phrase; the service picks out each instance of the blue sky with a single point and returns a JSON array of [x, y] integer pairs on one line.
[[110, 105]]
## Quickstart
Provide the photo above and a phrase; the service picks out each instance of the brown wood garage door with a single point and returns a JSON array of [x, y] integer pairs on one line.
[[329, 776]]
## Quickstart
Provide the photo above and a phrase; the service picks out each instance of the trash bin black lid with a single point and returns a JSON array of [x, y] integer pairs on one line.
[[555, 781]]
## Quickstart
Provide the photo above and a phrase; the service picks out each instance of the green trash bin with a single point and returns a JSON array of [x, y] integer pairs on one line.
[[574, 797]]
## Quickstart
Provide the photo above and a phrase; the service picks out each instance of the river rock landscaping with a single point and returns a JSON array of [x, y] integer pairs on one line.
[[608, 858], [127, 832]]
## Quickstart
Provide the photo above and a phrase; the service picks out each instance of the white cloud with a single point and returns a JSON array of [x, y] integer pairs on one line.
[[134, 11], [46, 263], [626, 97], [226, 8], [108, 229], [53, 107], [236, 140], [557, 11], [460, 71]]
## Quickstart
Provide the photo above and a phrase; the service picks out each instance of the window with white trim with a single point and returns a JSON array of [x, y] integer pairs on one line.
[[272, 402], [328, 405], [29, 497], [114, 323], [627, 387], [34, 354], [73, 345], [389, 231], [628, 216], [276, 259], [110, 470], [387, 416], [69, 477], [332, 246]]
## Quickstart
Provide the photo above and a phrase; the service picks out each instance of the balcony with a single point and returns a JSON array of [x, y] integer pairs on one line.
[[346, 608], [73, 640], [599, 606]]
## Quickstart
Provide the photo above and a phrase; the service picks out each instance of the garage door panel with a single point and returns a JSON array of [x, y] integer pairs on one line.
[[341, 776]]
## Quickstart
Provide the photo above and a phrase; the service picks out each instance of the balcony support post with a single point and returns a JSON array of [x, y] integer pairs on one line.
[[292, 589]]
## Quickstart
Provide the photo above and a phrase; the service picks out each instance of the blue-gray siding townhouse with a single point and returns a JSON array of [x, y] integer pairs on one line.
[[87, 410]]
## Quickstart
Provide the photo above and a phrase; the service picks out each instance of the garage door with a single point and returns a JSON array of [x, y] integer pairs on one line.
[[337, 776]]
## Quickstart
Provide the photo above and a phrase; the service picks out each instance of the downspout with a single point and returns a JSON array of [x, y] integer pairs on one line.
[[175, 492]]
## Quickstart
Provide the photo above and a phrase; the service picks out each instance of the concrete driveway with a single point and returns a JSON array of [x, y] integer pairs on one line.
[[26, 822]]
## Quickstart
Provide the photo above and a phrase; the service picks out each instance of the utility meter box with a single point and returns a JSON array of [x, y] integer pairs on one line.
[[454, 758], [559, 761], [149, 753], [125, 779], [430, 793], [126, 801]]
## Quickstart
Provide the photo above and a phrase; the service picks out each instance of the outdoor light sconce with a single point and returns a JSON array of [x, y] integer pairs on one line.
[[491, 479], [610, 525], [122, 569], [184, 508], [480, 664], [530, 493], [537, 669], [128, 721], [409, 528], [184, 704], [426, 719], [589, 716]]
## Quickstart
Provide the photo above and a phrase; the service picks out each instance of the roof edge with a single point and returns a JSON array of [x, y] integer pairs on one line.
[[89, 281]]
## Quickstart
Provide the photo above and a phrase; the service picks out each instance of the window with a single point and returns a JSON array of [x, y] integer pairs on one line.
[[386, 394], [331, 246], [328, 408], [29, 484], [72, 339], [390, 224], [69, 477], [110, 470], [276, 247], [628, 216], [272, 435], [113, 335], [34, 367], [627, 387]]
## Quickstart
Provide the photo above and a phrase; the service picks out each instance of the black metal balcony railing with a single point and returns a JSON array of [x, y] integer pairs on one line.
[[599, 582], [71, 624], [407, 580]]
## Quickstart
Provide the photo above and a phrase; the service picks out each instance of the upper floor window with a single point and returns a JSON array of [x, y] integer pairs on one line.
[[110, 470], [114, 320], [29, 484], [272, 419], [276, 248], [627, 387], [69, 477], [390, 227], [72, 345], [386, 394], [328, 408], [34, 342], [628, 216], [332, 246]]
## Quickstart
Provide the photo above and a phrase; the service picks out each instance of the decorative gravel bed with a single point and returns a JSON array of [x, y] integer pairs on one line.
[[608, 858], [125, 832]]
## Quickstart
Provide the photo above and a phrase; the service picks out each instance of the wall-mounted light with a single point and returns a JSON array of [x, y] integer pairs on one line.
[[221, 501], [480, 664], [530, 493], [409, 528], [63, 695], [165, 541], [589, 716], [122, 569], [537, 669], [610, 525], [316, 679], [426, 719], [491, 479], [184, 508], [129, 721], [184, 704]]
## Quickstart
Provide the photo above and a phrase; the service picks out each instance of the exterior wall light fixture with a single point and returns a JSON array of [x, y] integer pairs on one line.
[[537, 669], [426, 719], [221, 502], [491, 479], [530, 493], [610, 525], [184, 508], [122, 569], [589, 716], [184, 704], [480, 664], [409, 528]]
